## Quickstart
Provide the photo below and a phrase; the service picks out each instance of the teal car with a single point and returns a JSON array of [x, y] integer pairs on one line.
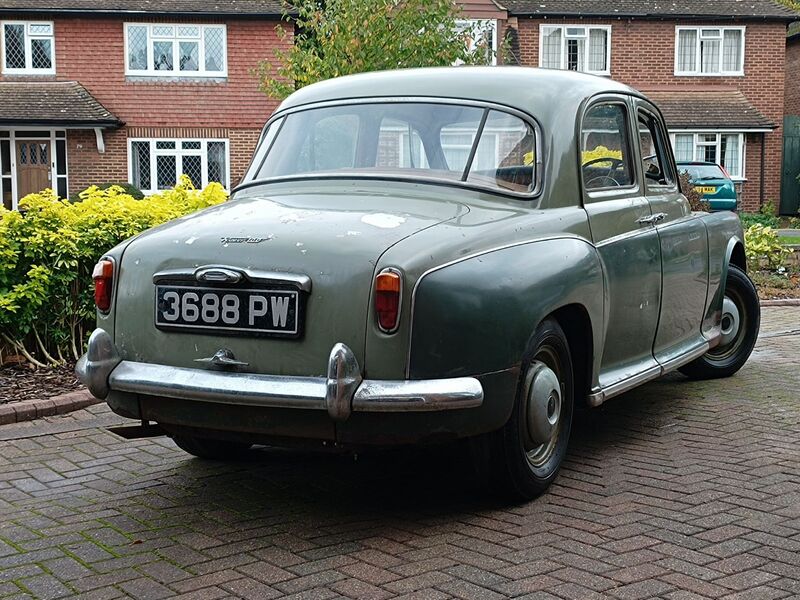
[[712, 182], [423, 256]]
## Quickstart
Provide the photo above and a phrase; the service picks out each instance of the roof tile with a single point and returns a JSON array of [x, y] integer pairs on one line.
[[52, 102], [742, 9], [722, 109]]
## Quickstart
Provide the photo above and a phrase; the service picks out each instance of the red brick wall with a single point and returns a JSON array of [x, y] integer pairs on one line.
[[643, 56], [792, 90], [91, 51]]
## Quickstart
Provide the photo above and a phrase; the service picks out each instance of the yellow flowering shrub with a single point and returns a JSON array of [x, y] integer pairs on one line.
[[48, 251], [600, 152], [763, 248]]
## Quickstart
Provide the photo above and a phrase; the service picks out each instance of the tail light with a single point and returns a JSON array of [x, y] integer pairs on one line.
[[388, 288], [103, 276]]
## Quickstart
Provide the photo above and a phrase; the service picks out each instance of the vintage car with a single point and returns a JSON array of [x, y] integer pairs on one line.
[[424, 256]]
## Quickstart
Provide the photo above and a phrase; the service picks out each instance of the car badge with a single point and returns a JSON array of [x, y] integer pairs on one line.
[[244, 240]]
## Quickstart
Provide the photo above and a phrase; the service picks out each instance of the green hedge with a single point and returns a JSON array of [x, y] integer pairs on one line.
[[48, 251]]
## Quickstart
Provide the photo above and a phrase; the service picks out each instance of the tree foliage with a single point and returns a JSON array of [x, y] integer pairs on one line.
[[343, 37]]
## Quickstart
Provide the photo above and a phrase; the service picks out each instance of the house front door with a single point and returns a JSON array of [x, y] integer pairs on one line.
[[33, 166]]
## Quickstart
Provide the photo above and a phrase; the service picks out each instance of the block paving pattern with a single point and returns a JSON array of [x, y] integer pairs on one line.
[[678, 490]]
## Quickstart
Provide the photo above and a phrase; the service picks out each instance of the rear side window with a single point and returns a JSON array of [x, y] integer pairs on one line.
[[605, 151], [655, 160]]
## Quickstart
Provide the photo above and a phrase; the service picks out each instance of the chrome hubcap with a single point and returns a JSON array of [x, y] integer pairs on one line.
[[730, 322], [543, 406]]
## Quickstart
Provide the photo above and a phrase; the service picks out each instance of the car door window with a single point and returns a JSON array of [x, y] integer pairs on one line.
[[605, 151], [655, 160]]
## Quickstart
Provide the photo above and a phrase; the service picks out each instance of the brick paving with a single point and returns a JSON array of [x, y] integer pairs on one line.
[[677, 490]]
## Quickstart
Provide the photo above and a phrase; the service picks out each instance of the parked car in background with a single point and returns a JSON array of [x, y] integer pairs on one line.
[[421, 256], [712, 182]]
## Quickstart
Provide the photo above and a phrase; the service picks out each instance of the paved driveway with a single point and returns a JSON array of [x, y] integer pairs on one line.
[[677, 490]]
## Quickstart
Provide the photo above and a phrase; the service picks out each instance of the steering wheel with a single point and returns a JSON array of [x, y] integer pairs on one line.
[[616, 163]]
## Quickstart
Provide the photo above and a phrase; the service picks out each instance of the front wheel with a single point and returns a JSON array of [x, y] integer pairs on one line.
[[526, 454], [739, 325]]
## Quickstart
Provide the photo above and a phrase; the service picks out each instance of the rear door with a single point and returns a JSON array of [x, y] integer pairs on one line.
[[628, 246], [683, 241]]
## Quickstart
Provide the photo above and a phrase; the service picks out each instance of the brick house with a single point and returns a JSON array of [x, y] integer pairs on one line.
[[130, 90], [714, 67]]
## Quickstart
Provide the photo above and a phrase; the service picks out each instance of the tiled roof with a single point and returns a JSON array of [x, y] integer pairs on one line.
[[723, 109], [52, 103], [724, 9], [265, 8]]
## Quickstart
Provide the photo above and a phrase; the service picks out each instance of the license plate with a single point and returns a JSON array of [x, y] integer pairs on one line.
[[706, 189], [266, 312]]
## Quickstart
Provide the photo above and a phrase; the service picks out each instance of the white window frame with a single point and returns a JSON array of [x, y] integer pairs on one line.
[[15, 135], [483, 25], [563, 66], [695, 133], [176, 72], [178, 152], [29, 70], [698, 71]]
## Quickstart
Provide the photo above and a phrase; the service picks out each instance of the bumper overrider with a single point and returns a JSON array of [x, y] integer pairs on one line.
[[342, 392]]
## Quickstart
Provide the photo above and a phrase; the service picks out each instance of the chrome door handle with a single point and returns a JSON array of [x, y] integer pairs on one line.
[[651, 219]]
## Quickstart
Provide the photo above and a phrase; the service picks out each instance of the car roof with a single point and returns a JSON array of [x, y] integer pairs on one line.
[[528, 89]]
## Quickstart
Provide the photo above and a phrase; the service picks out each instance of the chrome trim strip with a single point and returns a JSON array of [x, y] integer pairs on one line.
[[597, 398], [340, 393], [422, 395], [243, 389], [687, 357], [301, 281]]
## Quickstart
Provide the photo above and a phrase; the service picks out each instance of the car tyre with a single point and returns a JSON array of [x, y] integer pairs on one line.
[[740, 322], [524, 457], [211, 449]]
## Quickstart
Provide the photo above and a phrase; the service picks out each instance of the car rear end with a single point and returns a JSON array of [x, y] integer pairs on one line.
[[713, 183]]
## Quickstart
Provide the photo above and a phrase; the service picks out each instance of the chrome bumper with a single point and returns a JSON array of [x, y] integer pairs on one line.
[[342, 392]]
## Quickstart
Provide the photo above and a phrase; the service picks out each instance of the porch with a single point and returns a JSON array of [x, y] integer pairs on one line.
[[35, 118]]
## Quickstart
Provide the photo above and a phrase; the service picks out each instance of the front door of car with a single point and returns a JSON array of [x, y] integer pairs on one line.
[[684, 244], [619, 216]]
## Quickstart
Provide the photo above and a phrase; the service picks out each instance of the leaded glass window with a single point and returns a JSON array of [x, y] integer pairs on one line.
[[176, 50], [157, 164], [28, 47]]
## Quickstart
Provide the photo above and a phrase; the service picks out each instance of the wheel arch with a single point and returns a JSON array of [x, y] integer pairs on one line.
[[576, 322]]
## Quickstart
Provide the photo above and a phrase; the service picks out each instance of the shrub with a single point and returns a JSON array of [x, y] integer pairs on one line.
[[695, 198], [763, 248], [766, 216], [47, 256], [127, 188]]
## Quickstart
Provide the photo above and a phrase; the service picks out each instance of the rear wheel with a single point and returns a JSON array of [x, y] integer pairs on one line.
[[526, 454], [211, 449], [739, 325]]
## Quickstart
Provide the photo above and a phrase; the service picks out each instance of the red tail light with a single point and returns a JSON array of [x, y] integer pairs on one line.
[[103, 276], [388, 286]]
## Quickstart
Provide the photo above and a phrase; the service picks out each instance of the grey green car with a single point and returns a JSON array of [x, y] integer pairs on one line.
[[424, 256]]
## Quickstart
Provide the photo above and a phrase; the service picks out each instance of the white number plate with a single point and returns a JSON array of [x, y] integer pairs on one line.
[[261, 311]]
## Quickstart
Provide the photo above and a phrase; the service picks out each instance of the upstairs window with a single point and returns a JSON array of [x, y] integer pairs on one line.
[[161, 49], [28, 48], [709, 51], [585, 48]]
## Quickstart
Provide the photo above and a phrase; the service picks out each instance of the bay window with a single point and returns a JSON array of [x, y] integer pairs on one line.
[[166, 49], [585, 48], [157, 164], [725, 149], [709, 50]]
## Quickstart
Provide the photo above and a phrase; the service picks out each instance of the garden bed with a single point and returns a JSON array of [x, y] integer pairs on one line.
[[774, 286], [22, 382]]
